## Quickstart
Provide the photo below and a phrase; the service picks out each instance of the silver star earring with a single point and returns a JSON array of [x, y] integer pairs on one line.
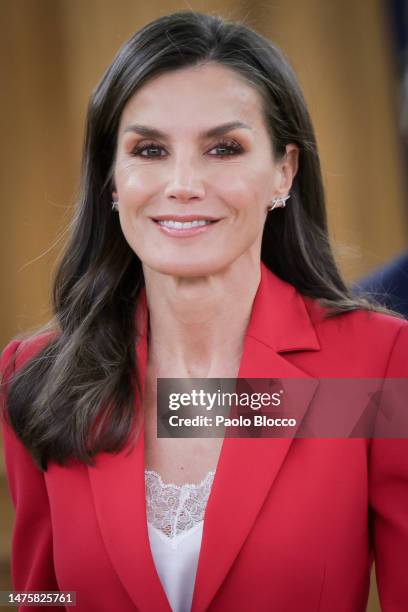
[[278, 202], [115, 205]]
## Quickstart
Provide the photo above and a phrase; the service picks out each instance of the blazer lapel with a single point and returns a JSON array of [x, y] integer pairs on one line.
[[118, 487], [247, 467]]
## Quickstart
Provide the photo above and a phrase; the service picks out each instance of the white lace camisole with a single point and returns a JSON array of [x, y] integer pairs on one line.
[[175, 517]]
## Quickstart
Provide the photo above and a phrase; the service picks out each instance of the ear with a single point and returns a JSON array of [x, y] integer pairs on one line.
[[288, 167]]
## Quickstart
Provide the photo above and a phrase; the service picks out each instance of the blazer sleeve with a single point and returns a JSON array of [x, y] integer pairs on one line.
[[32, 566], [388, 494]]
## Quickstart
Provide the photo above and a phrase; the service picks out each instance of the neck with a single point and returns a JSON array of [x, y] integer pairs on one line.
[[198, 324]]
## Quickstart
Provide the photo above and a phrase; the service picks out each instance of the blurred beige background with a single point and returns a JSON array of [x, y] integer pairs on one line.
[[53, 52]]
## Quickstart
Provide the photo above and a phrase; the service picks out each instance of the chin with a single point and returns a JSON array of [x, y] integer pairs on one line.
[[187, 268]]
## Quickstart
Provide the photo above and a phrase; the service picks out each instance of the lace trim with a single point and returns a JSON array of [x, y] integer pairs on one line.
[[175, 509]]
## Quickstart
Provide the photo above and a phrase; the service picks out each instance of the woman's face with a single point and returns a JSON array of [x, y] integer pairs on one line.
[[192, 202]]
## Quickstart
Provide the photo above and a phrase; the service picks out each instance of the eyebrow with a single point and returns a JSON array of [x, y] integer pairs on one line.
[[218, 130]]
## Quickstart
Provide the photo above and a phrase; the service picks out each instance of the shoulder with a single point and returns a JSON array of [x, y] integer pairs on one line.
[[13, 357], [19, 351], [388, 285], [362, 341], [363, 321], [387, 277]]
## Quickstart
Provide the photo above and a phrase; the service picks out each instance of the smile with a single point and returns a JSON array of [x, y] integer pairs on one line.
[[184, 229], [183, 224]]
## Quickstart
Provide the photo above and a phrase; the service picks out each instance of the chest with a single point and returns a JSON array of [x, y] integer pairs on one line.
[[177, 460]]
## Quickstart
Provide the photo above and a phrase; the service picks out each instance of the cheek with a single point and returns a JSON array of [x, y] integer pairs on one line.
[[251, 188], [250, 206], [135, 186]]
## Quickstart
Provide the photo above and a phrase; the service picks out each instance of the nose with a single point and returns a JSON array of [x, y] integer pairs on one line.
[[184, 184]]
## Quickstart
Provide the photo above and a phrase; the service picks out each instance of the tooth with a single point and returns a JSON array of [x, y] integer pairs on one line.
[[184, 224]]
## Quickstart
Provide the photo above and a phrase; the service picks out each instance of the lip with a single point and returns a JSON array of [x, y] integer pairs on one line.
[[188, 232], [186, 218]]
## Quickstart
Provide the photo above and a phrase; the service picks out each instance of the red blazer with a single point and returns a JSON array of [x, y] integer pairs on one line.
[[290, 525]]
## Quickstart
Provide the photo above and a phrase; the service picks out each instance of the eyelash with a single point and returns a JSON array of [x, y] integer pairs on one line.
[[224, 144]]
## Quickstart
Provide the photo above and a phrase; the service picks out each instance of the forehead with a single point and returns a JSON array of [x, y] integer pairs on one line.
[[196, 95]]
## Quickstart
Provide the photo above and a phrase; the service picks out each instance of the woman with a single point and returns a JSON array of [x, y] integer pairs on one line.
[[199, 249]]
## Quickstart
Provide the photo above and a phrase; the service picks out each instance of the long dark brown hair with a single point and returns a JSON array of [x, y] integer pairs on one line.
[[86, 373]]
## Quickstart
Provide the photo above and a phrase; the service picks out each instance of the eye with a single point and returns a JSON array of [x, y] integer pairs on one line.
[[231, 146], [137, 151], [228, 148]]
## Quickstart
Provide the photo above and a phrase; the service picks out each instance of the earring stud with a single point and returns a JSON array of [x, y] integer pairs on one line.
[[115, 205], [278, 202]]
